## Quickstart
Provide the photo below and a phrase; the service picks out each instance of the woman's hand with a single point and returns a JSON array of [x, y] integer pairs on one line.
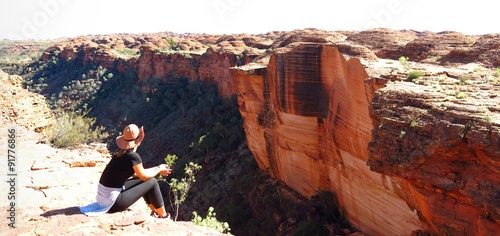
[[164, 170], [146, 174]]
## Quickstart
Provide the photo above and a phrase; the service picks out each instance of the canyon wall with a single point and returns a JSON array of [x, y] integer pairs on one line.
[[448, 154], [307, 122]]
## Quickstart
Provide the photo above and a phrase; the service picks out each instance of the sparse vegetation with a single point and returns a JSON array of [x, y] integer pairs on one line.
[[414, 74], [433, 58], [478, 69], [460, 95], [74, 128], [497, 73], [403, 61], [211, 221], [173, 45], [127, 52], [180, 188], [463, 80], [443, 78]]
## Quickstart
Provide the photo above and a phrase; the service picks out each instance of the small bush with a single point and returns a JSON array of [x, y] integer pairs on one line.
[[463, 80], [460, 95], [414, 74], [497, 73], [403, 61], [73, 128], [180, 188], [211, 221], [127, 52]]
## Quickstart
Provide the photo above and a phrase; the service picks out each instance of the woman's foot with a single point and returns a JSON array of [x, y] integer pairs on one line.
[[155, 215]]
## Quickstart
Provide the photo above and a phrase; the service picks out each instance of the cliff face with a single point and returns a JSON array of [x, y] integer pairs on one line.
[[307, 122], [446, 154], [406, 157]]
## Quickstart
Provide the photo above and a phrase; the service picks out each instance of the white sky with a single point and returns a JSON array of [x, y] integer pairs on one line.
[[44, 19]]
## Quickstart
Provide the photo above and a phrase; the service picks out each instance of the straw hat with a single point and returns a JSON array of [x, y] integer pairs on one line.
[[131, 138]]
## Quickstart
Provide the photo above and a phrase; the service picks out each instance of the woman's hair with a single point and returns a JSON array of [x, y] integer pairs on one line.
[[122, 152]]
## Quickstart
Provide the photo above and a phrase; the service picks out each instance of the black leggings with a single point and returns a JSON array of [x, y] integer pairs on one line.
[[135, 189]]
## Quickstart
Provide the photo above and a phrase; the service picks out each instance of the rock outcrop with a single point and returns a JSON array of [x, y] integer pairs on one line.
[[444, 153], [21, 107]]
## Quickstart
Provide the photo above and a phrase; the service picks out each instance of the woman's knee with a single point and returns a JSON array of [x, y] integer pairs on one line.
[[152, 182]]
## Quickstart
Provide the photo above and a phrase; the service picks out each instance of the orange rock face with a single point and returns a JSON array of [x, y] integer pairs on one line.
[[445, 153], [307, 122]]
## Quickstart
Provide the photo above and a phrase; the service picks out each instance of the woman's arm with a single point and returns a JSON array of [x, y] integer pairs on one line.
[[148, 173]]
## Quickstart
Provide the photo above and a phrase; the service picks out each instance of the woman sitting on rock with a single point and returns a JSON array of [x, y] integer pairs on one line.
[[125, 180]]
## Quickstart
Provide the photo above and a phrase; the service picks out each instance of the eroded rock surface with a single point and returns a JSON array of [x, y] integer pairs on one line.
[[21, 107], [445, 152]]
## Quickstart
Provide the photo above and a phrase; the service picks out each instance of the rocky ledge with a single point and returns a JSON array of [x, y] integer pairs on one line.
[[51, 183]]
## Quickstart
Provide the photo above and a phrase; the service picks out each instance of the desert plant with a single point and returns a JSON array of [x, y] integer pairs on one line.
[[211, 221], [463, 80], [173, 44], [497, 73], [414, 74], [127, 52], [460, 95], [403, 61], [180, 188], [74, 128], [478, 69]]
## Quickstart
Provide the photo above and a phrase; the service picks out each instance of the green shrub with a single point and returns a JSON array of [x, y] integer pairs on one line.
[[463, 80], [211, 221], [414, 74], [180, 188], [127, 52], [73, 128], [460, 95], [497, 73], [403, 61], [173, 45]]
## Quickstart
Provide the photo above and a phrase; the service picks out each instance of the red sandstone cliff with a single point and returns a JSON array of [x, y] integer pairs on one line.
[[445, 154], [307, 121], [408, 157]]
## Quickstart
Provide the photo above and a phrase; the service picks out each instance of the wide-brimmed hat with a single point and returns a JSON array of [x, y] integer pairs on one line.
[[132, 137]]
